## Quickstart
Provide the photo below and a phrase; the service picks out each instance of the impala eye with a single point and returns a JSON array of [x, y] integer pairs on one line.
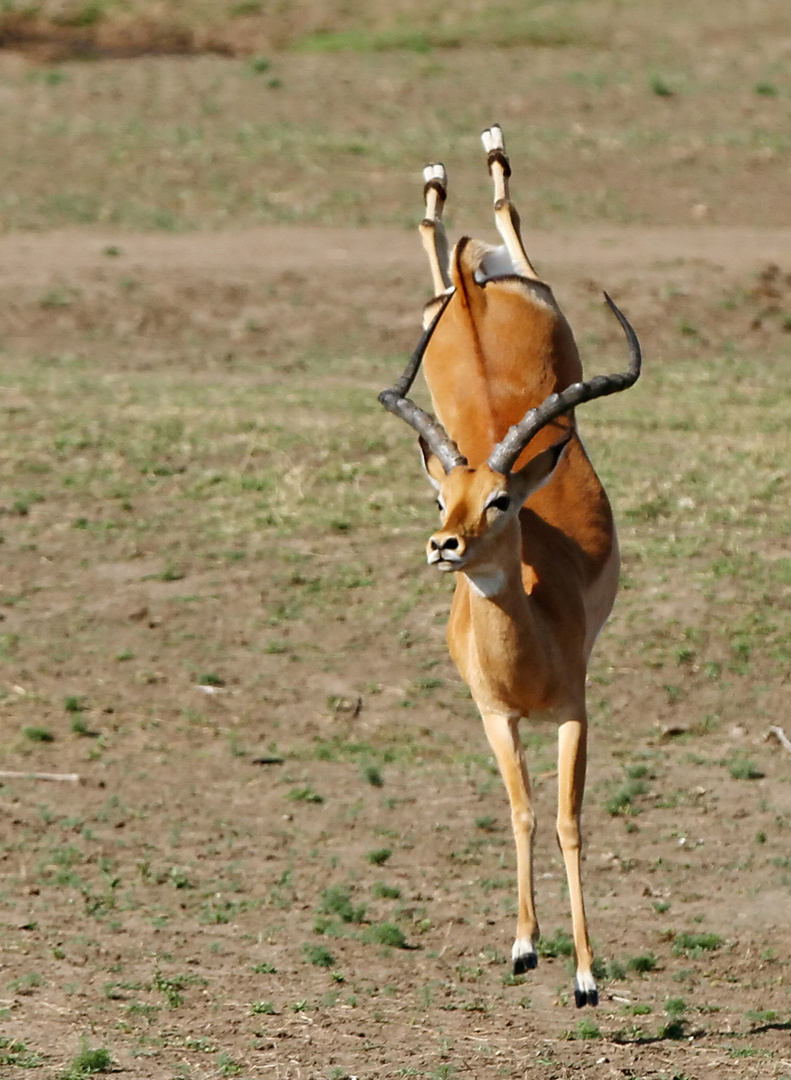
[[502, 502]]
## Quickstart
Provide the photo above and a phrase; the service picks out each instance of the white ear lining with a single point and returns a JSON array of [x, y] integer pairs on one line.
[[540, 470], [424, 452]]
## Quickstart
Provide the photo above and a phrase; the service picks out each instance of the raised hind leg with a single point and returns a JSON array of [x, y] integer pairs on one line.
[[432, 231], [505, 215]]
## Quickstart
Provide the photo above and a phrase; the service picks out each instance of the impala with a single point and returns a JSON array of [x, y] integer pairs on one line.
[[526, 525]]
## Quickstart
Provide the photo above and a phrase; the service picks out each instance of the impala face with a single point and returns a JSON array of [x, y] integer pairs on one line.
[[476, 506], [479, 507]]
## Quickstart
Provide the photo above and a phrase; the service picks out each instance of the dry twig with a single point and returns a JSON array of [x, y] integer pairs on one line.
[[71, 778], [780, 735]]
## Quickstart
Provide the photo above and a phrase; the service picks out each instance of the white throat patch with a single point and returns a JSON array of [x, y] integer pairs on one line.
[[486, 584]]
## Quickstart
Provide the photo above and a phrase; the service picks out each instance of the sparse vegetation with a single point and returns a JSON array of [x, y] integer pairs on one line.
[[560, 944], [741, 768], [385, 934], [318, 955], [88, 1062], [38, 734], [693, 945], [379, 856], [622, 800], [336, 901], [214, 597]]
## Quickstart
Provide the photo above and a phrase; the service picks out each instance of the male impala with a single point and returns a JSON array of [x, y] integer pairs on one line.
[[526, 524]]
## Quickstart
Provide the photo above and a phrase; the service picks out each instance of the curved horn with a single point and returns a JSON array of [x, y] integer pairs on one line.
[[505, 453], [427, 426]]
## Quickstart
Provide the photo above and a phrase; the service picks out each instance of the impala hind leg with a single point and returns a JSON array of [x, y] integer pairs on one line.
[[432, 231], [502, 732], [505, 215], [572, 752]]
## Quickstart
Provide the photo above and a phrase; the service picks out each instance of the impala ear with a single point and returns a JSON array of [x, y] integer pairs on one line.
[[539, 469], [431, 463]]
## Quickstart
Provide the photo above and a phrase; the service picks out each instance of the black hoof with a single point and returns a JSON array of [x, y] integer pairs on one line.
[[586, 997], [528, 962]]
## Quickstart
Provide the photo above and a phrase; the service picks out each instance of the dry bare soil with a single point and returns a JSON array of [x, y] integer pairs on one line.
[[288, 853]]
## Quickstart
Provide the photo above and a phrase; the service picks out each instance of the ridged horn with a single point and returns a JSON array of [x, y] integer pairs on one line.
[[505, 453], [427, 426]]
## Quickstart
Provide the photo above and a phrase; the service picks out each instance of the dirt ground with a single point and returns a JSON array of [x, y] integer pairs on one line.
[[141, 903], [215, 617]]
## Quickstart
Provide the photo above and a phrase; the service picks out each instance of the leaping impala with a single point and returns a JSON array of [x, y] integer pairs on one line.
[[526, 524]]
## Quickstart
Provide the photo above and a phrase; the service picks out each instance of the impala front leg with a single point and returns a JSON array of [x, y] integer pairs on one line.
[[572, 752], [502, 731]]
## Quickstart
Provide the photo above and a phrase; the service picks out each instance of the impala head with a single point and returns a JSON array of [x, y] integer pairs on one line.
[[480, 507]]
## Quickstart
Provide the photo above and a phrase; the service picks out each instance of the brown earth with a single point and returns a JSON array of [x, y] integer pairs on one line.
[[234, 750], [214, 609]]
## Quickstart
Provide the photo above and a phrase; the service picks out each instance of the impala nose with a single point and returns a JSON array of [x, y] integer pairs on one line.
[[448, 543], [445, 550]]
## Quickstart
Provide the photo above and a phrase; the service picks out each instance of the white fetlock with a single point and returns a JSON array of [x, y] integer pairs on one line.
[[435, 171], [492, 138]]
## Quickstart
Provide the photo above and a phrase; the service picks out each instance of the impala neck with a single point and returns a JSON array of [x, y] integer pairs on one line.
[[507, 629], [499, 578]]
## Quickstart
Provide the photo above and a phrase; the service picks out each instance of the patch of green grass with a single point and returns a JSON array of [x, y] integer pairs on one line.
[[560, 944], [622, 800], [262, 1008], [336, 901], [79, 725], [742, 768], [585, 1029], [38, 734], [25, 984], [171, 572], [675, 1007], [660, 86], [264, 968], [318, 955], [170, 987], [521, 27], [762, 1016], [643, 963], [372, 774], [379, 856], [385, 934], [693, 945], [385, 892], [87, 1062], [611, 969], [17, 1054], [638, 771], [211, 678], [259, 64], [304, 794], [227, 1066]]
